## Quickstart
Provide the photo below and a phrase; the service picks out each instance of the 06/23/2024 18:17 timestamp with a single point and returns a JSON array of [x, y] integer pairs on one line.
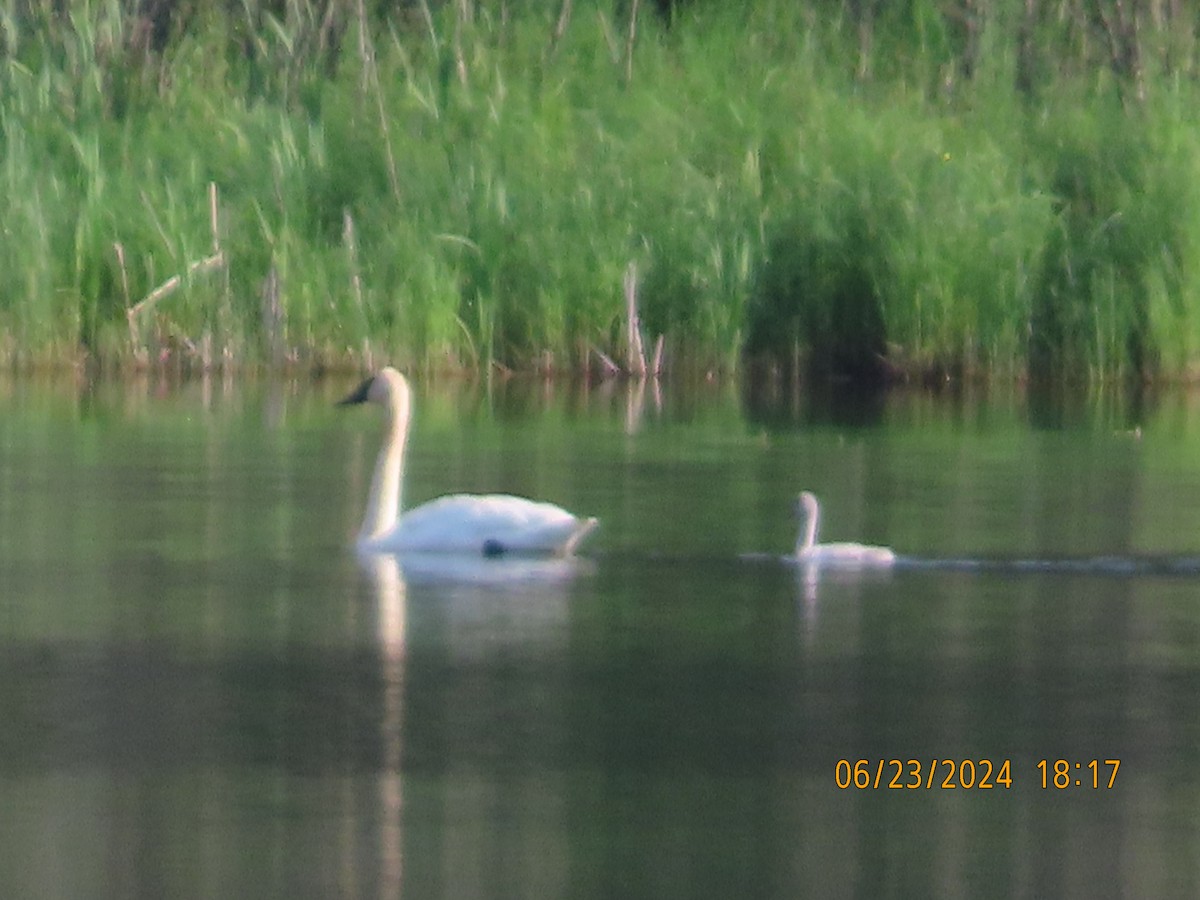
[[972, 774]]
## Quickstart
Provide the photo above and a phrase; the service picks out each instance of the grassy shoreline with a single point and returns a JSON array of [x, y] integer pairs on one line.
[[466, 185]]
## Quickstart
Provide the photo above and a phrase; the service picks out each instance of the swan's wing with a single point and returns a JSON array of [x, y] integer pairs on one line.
[[493, 523]]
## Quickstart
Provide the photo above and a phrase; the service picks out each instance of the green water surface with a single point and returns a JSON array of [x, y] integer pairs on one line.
[[205, 693]]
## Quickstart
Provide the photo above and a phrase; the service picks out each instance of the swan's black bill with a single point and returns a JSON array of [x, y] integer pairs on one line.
[[358, 396]]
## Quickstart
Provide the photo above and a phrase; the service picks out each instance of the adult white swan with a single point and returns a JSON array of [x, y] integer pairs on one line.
[[491, 525], [842, 555]]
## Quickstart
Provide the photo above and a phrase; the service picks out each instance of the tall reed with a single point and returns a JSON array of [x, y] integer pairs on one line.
[[449, 185]]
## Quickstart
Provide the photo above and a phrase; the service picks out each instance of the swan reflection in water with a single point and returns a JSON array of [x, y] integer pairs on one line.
[[507, 573], [815, 581], [391, 617], [445, 613], [470, 603]]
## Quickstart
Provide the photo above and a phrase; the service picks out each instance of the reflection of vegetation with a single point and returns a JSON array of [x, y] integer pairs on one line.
[[910, 187]]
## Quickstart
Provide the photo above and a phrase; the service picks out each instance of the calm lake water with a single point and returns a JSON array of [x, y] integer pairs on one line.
[[205, 693]]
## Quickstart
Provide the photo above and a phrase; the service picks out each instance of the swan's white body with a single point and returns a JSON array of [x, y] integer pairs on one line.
[[488, 525], [844, 555]]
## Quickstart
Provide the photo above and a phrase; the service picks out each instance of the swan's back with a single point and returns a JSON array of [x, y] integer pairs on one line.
[[847, 555], [491, 524]]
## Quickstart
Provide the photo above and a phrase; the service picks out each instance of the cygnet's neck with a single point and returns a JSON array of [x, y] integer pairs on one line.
[[808, 534]]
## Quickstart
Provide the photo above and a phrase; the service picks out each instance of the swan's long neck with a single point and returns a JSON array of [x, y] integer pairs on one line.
[[383, 505], [808, 534]]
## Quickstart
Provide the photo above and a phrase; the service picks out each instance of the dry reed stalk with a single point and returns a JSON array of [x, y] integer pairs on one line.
[[213, 221], [560, 27], [637, 354], [168, 287], [351, 242], [216, 260], [656, 366], [427, 14], [135, 337], [608, 367], [371, 77], [461, 19], [274, 317], [225, 310], [614, 51], [629, 41]]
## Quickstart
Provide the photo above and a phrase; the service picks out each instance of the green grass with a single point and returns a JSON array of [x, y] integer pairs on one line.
[[464, 194]]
